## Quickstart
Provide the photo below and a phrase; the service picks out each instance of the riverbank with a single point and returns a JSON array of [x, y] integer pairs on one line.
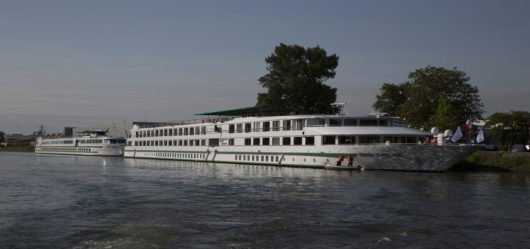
[[18, 149], [495, 161]]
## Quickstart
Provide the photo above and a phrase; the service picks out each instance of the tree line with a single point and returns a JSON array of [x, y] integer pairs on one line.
[[431, 97]]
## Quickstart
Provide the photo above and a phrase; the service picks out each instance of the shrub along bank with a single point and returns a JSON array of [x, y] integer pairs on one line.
[[18, 148], [495, 161]]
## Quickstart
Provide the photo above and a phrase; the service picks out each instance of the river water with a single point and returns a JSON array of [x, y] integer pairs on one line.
[[53, 201]]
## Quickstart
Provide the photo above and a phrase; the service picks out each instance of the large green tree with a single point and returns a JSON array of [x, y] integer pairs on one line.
[[296, 77], [509, 128], [392, 98], [424, 89]]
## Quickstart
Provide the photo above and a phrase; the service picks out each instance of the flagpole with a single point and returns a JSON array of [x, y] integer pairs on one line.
[[470, 130]]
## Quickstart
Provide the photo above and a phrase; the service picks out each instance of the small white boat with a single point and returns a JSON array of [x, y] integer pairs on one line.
[[341, 167]]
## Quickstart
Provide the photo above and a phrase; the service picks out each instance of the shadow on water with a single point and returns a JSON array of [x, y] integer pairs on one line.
[[106, 202]]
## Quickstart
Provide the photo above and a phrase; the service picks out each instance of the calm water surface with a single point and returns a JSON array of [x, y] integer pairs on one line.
[[106, 202]]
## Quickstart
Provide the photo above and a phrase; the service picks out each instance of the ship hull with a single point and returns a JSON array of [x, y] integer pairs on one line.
[[402, 157]]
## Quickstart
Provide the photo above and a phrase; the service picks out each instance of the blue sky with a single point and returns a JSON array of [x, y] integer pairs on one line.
[[82, 63]]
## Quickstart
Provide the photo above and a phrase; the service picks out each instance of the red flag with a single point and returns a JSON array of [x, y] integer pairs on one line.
[[467, 125]]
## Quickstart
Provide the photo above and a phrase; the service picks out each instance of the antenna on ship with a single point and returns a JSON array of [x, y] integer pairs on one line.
[[339, 109]]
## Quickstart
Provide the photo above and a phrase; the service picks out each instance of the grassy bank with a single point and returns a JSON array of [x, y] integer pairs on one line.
[[18, 149], [495, 161]]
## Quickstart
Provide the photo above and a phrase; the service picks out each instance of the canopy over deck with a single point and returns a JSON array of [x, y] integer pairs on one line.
[[251, 111]]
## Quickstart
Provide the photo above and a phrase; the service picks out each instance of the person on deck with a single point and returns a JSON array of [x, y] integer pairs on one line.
[[339, 162], [350, 160]]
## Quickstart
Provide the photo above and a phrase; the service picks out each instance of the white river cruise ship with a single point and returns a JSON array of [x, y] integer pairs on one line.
[[94, 143], [252, 135]]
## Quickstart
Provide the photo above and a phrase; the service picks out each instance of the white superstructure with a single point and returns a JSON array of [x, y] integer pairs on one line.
[[97, 143], [296, 140]]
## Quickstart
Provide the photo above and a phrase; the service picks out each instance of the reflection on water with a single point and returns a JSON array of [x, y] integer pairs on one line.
[[110, 202]]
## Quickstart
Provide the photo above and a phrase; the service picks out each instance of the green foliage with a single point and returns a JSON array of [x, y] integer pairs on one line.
[[2, 134], [296, 77], [443, 117], [17, 149], [392, 98], [426, 86], [509, 128]]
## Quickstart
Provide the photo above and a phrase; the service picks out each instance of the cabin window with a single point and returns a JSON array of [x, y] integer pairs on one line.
[[335, 122], [175, 132], [180, 131], [297, 141], [368, 122], [165, 142], [328, 140], [231, 128], [309, 140], [247, 141], [203, 142], [239, 128], [383, 122], [191, 131], [170, 132], [185, 131], [256, 127], [318, 122], [256, 141], [230, 142], [248, 127], [411, 140], [165, 132], [265, 141], [197, 142], [300, 123], [135, 143], [185, 142], [203, 130], [368, 139], [346, 139], [275, 141], [156, 133], [350, 122], [387, 139], [266, 126], [275, 125], [180, 142], [286, 141], [287, 125]]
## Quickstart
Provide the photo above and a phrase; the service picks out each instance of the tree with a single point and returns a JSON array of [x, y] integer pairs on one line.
[[443, 118], [509, 128], [425, 88], [392, 98], [296, 77], [2, 134]]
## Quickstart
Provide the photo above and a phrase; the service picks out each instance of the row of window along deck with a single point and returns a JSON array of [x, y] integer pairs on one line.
[[266, 126], [285, 141]]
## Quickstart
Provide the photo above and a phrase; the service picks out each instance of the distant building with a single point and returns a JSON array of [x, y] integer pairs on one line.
[[117, 129], [69, 131]]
